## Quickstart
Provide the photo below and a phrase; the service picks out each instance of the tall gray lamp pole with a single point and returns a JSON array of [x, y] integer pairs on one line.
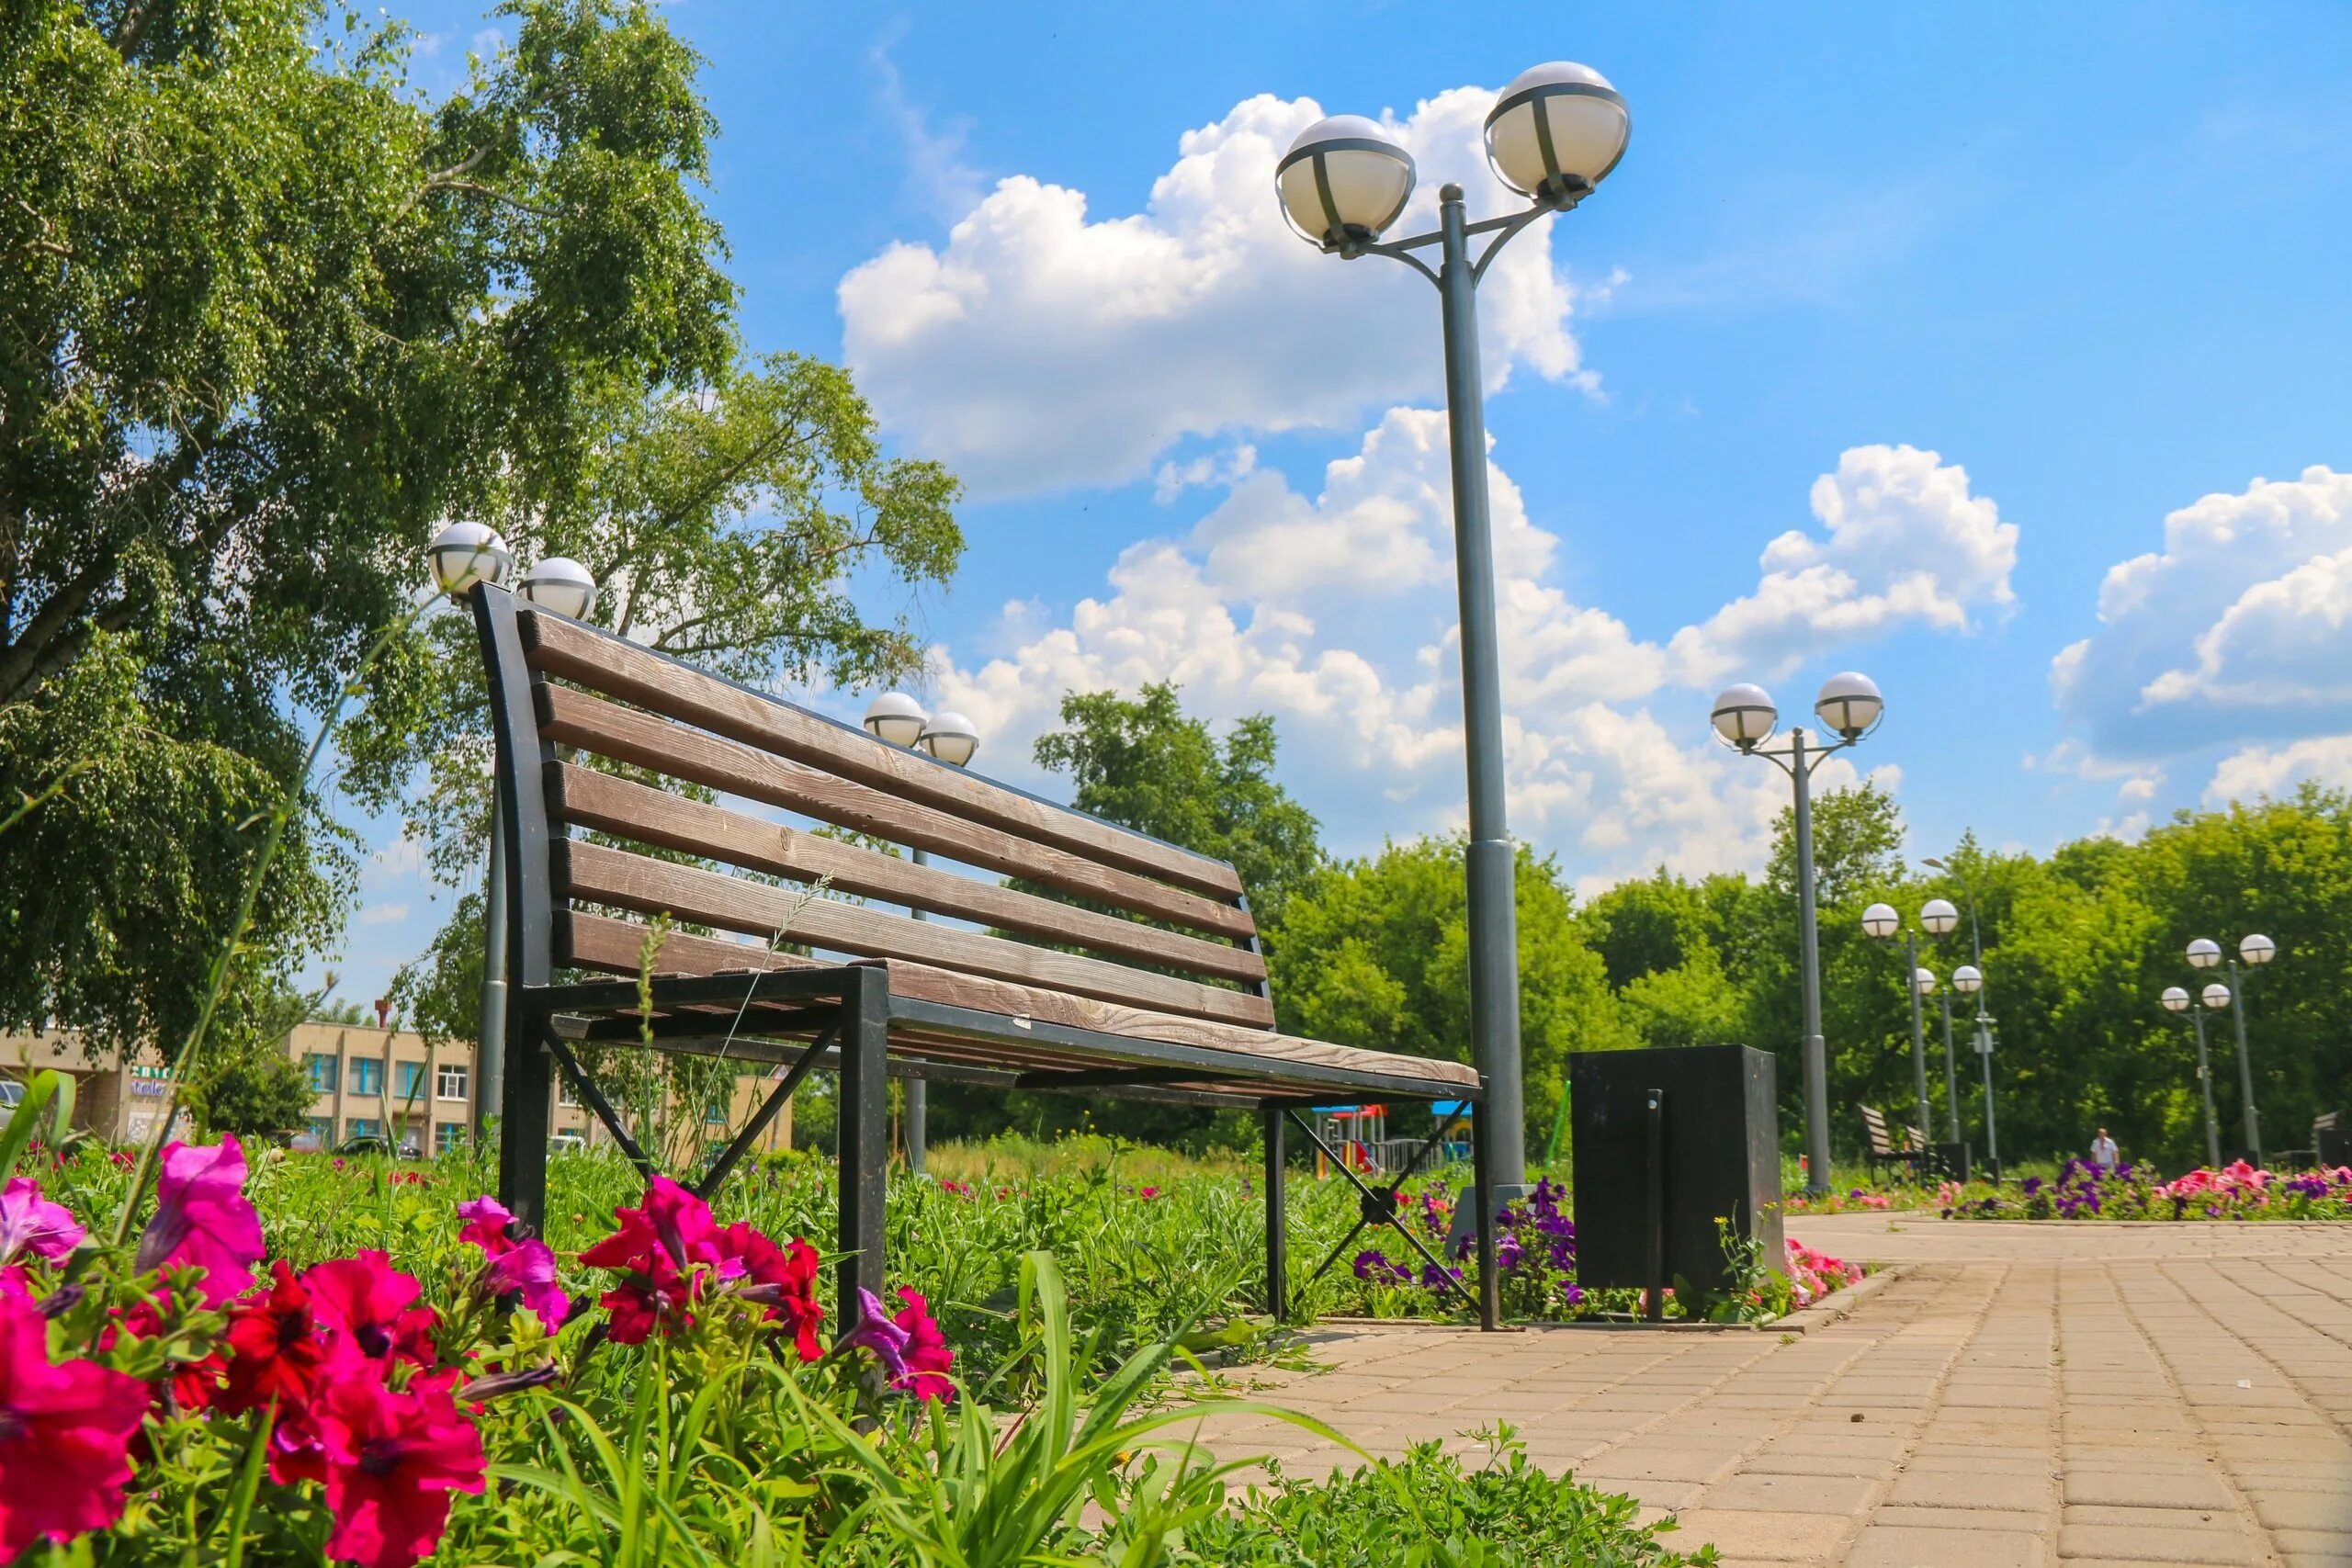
[[2254, 950], [1553, 136], [1881, 923], [898, 720], [1744, 719]]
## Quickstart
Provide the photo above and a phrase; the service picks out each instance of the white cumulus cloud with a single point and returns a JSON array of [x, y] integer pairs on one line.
[[1046, 344], [1907, 543], [2238, 631], [2257, 771]]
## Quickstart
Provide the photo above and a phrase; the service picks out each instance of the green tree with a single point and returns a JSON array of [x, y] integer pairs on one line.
[[251, 1092], [268, 318], [1143, 763], [1375, 952]]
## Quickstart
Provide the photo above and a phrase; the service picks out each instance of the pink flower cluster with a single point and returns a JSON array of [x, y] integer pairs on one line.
[[1813, 1274]]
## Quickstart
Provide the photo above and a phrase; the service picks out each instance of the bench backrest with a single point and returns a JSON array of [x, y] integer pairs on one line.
[[1875, 1122], [1104, 912]]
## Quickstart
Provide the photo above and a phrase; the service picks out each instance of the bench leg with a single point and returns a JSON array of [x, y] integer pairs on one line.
[[522, 1106], [864, 1136], [1277, 1221]]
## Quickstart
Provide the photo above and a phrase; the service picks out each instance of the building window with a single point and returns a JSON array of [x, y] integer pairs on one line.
[[363, 1127], [321, 1127], [448, 1137], [367, 1075], [322, 1073], [716, 1112], [408, 1082], [451, 1081], [564, 1093]]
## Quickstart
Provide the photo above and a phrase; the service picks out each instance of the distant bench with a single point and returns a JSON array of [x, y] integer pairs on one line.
[[1152, 986], [1884, 1151]]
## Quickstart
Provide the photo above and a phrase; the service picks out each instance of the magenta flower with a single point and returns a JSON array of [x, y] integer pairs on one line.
[[876, 1333], [65, 1432], [30, 1222], [486, 1219], [369, 1306], [527, 1268], [928, 1356], [392, 1461], [687, 1232], [202, 1219]]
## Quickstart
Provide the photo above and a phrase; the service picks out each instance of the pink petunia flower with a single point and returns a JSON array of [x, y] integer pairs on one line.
[[31, 1223], [486, 1219], [929, 1360], [65, 1433], [392, 1461], [878, 1336], [202, 1218], [527, 1268], [365, 1303]]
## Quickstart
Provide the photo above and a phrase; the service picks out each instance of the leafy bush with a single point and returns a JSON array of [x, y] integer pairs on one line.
[[1427, 1510]]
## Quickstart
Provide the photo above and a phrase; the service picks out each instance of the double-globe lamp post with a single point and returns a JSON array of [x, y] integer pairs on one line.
[[1881, 921], [1553, 136], [1744, 719], [898, 720], [462, 555], [2215, 997], [2257, 950]]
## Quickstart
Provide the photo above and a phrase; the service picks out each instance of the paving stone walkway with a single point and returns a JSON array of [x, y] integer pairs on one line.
[[2019, 1396]]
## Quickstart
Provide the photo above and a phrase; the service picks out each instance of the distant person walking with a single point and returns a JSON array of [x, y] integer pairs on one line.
[[2104, 1154]]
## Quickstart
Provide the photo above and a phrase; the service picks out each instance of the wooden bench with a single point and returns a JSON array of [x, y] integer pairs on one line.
[[1119, 964], [1884, 1151]]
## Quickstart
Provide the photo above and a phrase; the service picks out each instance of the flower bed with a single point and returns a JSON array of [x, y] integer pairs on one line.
[[2084, 1192], [1535, 1251], [293, 1361]]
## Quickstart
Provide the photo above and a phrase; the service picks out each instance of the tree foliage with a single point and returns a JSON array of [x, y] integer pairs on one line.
[[268, 317]]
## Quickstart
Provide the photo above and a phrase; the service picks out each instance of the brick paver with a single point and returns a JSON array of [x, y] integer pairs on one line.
[[2020, 1395]]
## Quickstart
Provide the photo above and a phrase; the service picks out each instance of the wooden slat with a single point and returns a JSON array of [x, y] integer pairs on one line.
[[591, 724], [663, 685], [599, 942], [599, 875], [631, 810]]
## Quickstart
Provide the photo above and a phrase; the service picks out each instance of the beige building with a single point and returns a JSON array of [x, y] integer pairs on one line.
[[365, 1082]]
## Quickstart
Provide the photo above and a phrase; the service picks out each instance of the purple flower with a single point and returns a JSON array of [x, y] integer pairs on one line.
[[2031, 1185], [876, 1333], [30, 1222], [1507, 1252]]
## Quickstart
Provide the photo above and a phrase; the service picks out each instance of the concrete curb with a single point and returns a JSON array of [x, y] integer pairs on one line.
[[1836, 1306]]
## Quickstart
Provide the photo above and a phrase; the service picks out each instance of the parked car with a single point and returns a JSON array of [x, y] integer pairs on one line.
[[566, 1144], [12, 1095], [373, 1144]]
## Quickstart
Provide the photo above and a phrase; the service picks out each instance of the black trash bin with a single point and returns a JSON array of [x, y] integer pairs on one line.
[[1710, 1148]]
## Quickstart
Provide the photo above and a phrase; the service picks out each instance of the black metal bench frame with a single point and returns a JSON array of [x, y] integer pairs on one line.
[[840, 1017]]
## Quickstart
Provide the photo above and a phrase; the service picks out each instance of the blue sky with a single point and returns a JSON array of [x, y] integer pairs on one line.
[[2004, 353]]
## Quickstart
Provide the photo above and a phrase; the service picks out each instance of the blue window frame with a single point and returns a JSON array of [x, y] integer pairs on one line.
[[367, 1075], [321, 1127], [408, 1082], [322, 1073], [363, 1127], [448, 1137]]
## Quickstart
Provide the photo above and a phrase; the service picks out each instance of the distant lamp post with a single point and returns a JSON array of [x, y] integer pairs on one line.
[[561, 584], [1553, 136], [1743, 718], [2256, 950], [1881, 923], [1940, 918], [465, 553], [2176, 1000], [1968, 981], [898, 720]]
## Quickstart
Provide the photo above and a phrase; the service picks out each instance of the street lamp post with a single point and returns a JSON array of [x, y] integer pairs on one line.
[[1968, 981], [1553, 136], [2257, 950], [461, 555], [1881, 921], [1744, 719], [950, 738], [2176, 1000], [1952, 1065]]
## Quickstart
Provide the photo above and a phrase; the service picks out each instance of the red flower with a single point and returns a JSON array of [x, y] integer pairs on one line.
[[927, 1354], [392, 1461], [365, 1302], [274, 1346], [654, 1293], [202, 1219], [65, 1432], [790, 1274], [486, 1221]]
